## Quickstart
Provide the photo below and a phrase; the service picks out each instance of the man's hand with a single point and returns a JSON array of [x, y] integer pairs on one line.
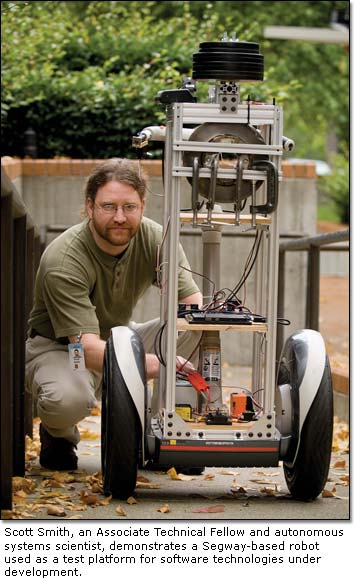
[[94, 349], [153, 365], [183, 365]]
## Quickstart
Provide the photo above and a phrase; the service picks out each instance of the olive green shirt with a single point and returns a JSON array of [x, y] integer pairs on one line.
[[80, 288]]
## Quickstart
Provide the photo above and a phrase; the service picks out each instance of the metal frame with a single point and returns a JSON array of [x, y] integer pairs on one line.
[[268, 118]]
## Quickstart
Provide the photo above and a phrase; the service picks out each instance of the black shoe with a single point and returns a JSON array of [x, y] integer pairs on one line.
[[56, 453]]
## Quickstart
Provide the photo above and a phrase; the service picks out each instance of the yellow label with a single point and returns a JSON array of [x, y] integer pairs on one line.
[[184, 412], [172, 441]]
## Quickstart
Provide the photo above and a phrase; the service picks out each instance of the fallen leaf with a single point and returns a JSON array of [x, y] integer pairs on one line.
[[240, 490], [340, 436], [32, 448], [52, 483], [165, 509], [88, 434], [143, 485], [77, 508], [54, 510], [270, 490], [88, 498], [7, 514], [234, 473], [63, 477], [209, 476], [213, 509], [23, 484], [19, 498], [341, 464], [106, 501], [131, 501], [120, 511], [143, 479], [96, 488], [179, 476], [328, 493], [53, 494], [21, 493]]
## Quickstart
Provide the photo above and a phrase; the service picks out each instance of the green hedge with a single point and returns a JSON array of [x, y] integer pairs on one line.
[[84, 75]]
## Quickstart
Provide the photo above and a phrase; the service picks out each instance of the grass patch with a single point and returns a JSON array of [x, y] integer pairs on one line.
[[328, 212]]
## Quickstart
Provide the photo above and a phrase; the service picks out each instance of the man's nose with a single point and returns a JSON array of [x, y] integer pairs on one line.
[[119, 214]]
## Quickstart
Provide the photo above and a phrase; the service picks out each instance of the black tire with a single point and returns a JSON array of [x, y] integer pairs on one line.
[[307, 476], [121, 431]]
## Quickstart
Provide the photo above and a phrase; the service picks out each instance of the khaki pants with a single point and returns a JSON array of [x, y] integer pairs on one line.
[[64, 397]]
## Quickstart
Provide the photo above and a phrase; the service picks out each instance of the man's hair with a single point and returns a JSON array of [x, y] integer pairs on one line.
[[124, 170]]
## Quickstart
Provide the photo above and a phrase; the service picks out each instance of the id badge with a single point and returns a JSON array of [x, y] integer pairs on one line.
[[76, 356]]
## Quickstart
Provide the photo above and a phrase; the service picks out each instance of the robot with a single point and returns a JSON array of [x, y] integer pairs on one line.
[[230, 152]]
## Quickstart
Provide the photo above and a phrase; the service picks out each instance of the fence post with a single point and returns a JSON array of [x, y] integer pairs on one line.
[[30, 276], [312, 303], [6, 351], [19, 273]]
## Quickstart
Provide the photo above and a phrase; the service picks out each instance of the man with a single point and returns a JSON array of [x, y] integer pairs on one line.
[[89, 280]]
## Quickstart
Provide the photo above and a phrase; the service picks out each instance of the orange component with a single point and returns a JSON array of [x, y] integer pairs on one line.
[[238, 404]]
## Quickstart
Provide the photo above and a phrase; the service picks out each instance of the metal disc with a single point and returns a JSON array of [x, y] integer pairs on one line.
[[217, 133], [228, 61], [235, 46]]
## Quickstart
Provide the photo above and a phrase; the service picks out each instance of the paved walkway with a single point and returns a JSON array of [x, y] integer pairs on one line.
[[223, 494], [218, 494]]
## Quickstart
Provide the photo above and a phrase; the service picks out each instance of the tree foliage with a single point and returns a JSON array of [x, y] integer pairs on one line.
[[84, 75], [337, 186]]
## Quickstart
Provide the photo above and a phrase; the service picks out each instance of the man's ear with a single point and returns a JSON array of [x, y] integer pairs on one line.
[[89, 207], [143, 205]]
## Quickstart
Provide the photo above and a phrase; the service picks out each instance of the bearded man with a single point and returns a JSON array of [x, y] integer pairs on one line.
[[89, 280]]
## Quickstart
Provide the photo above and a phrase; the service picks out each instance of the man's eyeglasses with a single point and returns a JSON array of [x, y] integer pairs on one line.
[[111, 208]]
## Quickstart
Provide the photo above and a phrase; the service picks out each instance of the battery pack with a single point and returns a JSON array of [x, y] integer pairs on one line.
[[184, 410]]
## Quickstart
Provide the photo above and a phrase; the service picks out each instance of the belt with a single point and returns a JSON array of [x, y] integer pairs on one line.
[[34, 333]]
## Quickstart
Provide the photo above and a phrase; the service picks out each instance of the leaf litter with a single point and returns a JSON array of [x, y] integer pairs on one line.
[[31, 496]]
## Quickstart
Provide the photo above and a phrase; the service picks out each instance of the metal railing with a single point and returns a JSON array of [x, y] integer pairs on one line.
[[20, 254], [313, 245]]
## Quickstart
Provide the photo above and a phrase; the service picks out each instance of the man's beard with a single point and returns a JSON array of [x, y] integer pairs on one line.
[[114, 234]]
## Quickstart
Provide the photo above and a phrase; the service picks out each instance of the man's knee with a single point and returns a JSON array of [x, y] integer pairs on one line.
[[59, 406]]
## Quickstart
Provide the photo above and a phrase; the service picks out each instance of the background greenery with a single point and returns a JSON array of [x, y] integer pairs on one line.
[[84, 75]]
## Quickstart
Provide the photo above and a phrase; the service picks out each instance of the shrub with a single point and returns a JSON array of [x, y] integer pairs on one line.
[[337, 186]]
